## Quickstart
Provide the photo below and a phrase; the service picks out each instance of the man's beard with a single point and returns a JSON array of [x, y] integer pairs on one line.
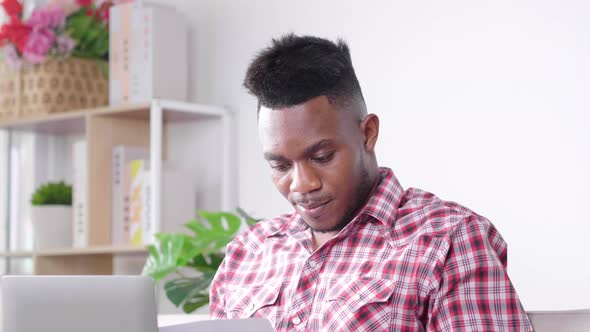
[[363, 191]]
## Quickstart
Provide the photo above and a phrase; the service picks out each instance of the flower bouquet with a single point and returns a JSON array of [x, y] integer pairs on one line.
[[54, 60]]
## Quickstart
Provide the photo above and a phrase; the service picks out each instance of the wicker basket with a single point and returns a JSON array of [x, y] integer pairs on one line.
[[52, 87]]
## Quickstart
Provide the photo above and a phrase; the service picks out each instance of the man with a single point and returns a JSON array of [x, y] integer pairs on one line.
[[358, 253]]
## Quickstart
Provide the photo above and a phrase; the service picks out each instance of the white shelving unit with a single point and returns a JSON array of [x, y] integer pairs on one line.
[[176, 129], [179, 111]]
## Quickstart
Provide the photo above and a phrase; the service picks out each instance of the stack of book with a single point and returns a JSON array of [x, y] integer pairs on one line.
[[148, 53], [132, 220]]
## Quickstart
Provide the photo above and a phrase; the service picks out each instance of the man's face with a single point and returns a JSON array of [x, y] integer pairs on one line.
[[316, 155]]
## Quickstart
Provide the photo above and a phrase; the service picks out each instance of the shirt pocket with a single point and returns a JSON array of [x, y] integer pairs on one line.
[[358, 303], [253, 301]]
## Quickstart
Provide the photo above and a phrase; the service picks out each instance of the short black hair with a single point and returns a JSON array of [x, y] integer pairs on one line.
[[295, 69]]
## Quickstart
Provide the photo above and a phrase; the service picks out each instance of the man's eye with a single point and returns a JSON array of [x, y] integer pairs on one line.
[[324, 158], [280, 167]]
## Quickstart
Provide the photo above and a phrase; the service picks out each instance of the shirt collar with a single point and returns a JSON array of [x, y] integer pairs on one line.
[[382, 205], [385, 199]]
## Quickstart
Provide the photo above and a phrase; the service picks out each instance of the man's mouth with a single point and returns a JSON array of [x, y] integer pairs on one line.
[[314, 209]]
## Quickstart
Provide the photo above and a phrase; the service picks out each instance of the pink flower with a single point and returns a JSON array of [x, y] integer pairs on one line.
[[68, 6], [65, 45], [38, 45], [11, 57], [47, 17]]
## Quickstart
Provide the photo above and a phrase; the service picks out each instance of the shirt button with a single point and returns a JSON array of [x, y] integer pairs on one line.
[[296, 321], [313, 264], [356, 297]]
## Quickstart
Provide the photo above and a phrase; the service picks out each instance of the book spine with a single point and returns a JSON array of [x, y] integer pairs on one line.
[[122, 155], [136, 200], [79, 195], [126, 204], [118, 212]]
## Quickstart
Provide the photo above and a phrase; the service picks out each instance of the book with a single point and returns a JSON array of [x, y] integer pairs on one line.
[[178, 202], [122, 155], [79, 195], [139, 177], [148, 55]]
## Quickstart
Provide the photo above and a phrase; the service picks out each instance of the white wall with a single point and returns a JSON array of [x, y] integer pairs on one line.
[[481, 103]]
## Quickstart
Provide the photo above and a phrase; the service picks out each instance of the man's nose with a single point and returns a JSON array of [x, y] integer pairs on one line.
[[304, 179]]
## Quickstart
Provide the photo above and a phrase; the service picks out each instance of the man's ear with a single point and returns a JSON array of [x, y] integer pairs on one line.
[[370, 131]]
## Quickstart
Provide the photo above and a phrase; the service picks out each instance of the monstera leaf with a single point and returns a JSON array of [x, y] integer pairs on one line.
[[221, 229], [191, 293], [167, 255], [172, 253]]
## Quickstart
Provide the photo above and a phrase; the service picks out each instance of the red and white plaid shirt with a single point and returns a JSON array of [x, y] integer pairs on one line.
[[409, 261]]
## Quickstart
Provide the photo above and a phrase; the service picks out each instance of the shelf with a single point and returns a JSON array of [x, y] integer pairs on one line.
[[16, 254], [65, 122], [97, 250], [71, 122]]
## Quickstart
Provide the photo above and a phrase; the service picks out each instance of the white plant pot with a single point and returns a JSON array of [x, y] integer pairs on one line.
[[52, 226]]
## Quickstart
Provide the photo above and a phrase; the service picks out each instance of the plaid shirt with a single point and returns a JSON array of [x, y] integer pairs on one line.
[[408, 262]]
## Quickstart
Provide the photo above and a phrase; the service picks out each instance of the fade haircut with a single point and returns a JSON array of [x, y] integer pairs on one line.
[[295, 69]]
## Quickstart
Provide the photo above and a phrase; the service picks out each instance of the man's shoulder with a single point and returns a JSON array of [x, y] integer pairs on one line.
[[427, 213], [255, 236]]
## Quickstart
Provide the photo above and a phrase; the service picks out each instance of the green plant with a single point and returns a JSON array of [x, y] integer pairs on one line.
[[53, 193], [90, 32], [199, 253]]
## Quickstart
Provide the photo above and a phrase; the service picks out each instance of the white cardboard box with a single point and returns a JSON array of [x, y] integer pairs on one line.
[[178, 204], [177, 199], [148, 53]]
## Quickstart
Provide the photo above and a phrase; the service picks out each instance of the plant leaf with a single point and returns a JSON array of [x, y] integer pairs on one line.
[[194, 303], [207, 264], [189, 292], [201, 252], [52, 193], [221, 229], [165, 256]]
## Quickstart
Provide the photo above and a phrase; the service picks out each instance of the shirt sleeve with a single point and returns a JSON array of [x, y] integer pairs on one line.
[[474, 291], [217, 294]]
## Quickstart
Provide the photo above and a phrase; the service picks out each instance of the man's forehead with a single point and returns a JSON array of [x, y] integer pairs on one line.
[[297, 121], [299, 126]]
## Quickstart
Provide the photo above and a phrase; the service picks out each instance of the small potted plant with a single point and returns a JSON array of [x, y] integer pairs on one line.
[[52, 216]]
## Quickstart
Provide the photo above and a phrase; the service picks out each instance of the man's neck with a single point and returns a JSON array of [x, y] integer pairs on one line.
[[320, 238]]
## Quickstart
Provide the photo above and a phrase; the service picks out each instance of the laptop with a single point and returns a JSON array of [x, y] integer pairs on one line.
[[96, 304], [78, 303], [229, 325]]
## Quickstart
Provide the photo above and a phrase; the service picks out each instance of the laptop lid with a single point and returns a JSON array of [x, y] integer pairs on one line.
[[230, 325], [78, 303]]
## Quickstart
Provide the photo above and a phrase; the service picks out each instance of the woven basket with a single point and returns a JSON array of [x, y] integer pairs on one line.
[[51, 87]]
